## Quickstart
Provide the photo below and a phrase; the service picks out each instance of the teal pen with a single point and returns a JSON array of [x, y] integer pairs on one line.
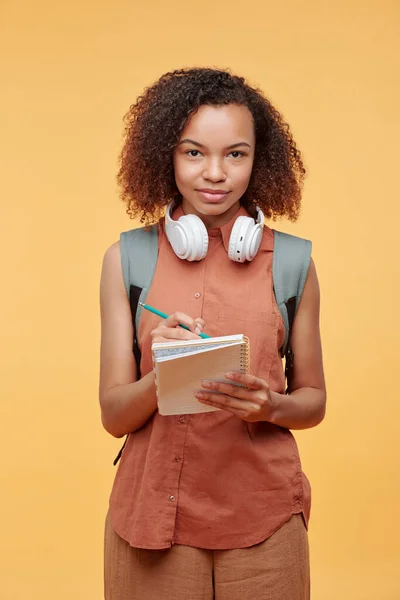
[[164, 316]]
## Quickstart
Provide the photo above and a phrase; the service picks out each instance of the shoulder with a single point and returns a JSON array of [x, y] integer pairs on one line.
[[287, 238], [310, 299], [133, 238], [112, 255], [312, 278], [111, 273], [273, 238]]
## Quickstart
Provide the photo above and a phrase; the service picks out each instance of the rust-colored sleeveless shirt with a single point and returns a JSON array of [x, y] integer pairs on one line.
[[211, 480]]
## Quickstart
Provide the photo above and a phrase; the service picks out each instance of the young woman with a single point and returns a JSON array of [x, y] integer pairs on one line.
[[212, 505]]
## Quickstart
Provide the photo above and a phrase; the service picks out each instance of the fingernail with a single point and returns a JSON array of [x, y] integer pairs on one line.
[[206, 383], [197, 330], [230, 375]]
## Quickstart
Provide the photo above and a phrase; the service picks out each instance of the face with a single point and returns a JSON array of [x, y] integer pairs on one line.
[[213, 161]]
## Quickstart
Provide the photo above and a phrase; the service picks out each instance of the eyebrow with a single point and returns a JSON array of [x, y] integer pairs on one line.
[[188, 141]]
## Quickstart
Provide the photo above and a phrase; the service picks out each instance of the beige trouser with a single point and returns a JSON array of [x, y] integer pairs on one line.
[[277, 569]]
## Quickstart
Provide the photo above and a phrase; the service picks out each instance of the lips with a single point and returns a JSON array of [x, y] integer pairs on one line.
[[211, 191], [213, 195]]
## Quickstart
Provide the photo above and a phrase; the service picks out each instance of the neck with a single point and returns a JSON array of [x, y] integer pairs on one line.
[[212, 221]]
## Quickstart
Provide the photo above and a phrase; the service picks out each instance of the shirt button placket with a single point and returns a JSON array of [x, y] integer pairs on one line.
[[182, 420]]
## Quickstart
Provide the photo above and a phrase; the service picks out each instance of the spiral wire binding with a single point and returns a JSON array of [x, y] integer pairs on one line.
[[245, 356]]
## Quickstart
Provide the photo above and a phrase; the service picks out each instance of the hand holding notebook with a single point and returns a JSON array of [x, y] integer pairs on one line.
[[180, 366]]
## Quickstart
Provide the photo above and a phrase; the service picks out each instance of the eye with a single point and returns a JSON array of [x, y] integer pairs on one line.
[[236, 154], [193, 153]]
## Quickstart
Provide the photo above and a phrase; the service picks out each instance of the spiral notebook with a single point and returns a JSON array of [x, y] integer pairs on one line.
[[181, 366]]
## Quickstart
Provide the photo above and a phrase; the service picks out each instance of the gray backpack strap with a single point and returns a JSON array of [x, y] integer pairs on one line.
[[139, 253], [291, 262]]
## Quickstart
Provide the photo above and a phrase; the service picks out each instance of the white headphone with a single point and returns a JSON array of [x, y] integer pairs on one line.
[[188, 236]]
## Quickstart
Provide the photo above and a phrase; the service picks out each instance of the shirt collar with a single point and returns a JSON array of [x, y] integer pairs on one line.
[[267, 240]]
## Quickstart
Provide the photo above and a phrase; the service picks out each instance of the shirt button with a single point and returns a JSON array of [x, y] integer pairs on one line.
[[182, 420], [177, 459], [172, 498], [197, 295]]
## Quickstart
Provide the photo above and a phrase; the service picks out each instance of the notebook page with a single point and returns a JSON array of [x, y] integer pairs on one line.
[[174, 353], [178, 379], [237, 337], [166, 349]]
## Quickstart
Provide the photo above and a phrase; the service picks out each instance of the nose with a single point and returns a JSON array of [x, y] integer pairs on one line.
[[214, 171]]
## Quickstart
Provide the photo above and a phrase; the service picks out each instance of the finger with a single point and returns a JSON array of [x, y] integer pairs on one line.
[[179, 318], [219, 400], [234, 405], [158, 339], [229, 389], [174, 333], [200, 324], [250, 381]]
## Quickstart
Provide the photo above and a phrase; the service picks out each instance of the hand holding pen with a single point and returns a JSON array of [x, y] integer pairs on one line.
[[177, 326]]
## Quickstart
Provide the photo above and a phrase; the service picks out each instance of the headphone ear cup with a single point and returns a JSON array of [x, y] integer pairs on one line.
[[197, 236], [188, 236], [254, 242], [245, 239], [237, 240]]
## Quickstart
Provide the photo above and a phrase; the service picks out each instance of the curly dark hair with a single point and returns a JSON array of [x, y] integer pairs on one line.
[[153, 126]]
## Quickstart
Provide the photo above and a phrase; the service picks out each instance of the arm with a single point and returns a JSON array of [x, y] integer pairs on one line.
[[126, 404], [305, 406]]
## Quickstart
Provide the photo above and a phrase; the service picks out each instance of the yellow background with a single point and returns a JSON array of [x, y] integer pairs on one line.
[[69, 71]]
